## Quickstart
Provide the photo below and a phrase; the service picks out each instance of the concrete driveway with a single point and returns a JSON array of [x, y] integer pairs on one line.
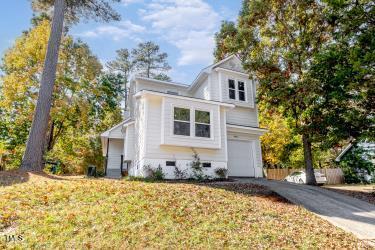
[[348, 213]]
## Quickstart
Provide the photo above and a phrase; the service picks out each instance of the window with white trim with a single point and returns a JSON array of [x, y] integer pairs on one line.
[[232, 89], [202, 124], [181, 125], [237, 90], [241, 91]]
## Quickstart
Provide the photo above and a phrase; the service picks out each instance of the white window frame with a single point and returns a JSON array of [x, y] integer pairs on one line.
[[236, 89], [192, 123], [209, 124], [174, 120], [244, 90], [229, 89]]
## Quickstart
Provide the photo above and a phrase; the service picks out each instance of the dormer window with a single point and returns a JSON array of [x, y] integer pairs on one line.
[[241, 91], [237, 91], [232, 89]]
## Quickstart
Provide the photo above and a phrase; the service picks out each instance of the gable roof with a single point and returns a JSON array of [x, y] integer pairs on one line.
[[201, 76], [204, 72], [108, 132]]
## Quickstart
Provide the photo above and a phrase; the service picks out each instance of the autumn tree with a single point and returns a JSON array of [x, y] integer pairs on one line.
[[149, 61], [84, 103], [73, 10], [344, 73], [277, 40]]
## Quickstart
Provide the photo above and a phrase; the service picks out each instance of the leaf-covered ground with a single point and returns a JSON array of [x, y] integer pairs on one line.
[[362, 192], [70, 212]]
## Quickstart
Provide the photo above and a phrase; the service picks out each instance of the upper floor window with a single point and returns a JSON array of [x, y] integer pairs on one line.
[[202, 124], [181, 121], [239, 89], [232, 89]]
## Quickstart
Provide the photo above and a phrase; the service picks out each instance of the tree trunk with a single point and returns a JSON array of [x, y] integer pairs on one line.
[[50, 138], [310, 176], [33, 157]]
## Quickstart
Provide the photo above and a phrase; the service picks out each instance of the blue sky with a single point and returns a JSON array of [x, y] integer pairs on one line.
[[183, 28]]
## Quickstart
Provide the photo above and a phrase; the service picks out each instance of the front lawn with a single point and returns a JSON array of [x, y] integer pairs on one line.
[[70, 212]]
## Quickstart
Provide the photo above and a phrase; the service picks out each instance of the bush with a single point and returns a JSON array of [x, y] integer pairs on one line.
[[197, 170], [356, 166], [221, 172], [154, 174], [179, 174]]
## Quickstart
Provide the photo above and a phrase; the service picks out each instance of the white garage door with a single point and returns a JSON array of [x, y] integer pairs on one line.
[[240, 158]]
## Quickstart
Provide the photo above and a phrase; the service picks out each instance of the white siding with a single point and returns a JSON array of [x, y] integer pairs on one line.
[[215, 86], [249, 87], [155, 150], [116, 133], [140, 130], [189, 141], [115, 151], [129, 149], [203, 91], [243, 116]]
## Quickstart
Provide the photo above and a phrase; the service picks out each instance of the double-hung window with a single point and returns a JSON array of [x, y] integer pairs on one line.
[[241, 91], [236, 90], [181, 124], [232, 89], [202, 124]]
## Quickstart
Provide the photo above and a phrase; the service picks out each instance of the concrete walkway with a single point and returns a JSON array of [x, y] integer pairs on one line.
[[348, 213]]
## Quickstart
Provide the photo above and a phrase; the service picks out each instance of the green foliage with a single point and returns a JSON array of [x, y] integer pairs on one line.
[[85, 102], [196, 166], [314, 62], [149, 61], [356, 164], [154, 174], [163, 77], [344, 71], [221, 172], [77, 9], [179, 174]]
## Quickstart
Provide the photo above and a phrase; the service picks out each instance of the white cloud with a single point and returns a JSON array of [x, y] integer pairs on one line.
[[188, 25], [124, 29], [127, 2]]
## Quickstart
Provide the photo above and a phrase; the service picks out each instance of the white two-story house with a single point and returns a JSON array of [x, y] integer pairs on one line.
[[215, 116]]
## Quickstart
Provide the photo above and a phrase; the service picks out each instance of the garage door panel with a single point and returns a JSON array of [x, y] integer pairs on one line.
[[240, 158]]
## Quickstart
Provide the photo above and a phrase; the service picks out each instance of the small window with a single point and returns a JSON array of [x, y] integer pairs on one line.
[[181, 121], [202, 124], [206, 164], [241, 91], [170, 163], [232, 89]]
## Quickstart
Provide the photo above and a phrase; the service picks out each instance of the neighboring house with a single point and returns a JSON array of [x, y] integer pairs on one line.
[[368, 148], [216, 116]]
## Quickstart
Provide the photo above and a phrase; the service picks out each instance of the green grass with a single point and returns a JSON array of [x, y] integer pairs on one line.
[[103, 214]]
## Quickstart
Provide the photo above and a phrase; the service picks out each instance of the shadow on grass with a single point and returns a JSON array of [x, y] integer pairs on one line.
[[12, 177]]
